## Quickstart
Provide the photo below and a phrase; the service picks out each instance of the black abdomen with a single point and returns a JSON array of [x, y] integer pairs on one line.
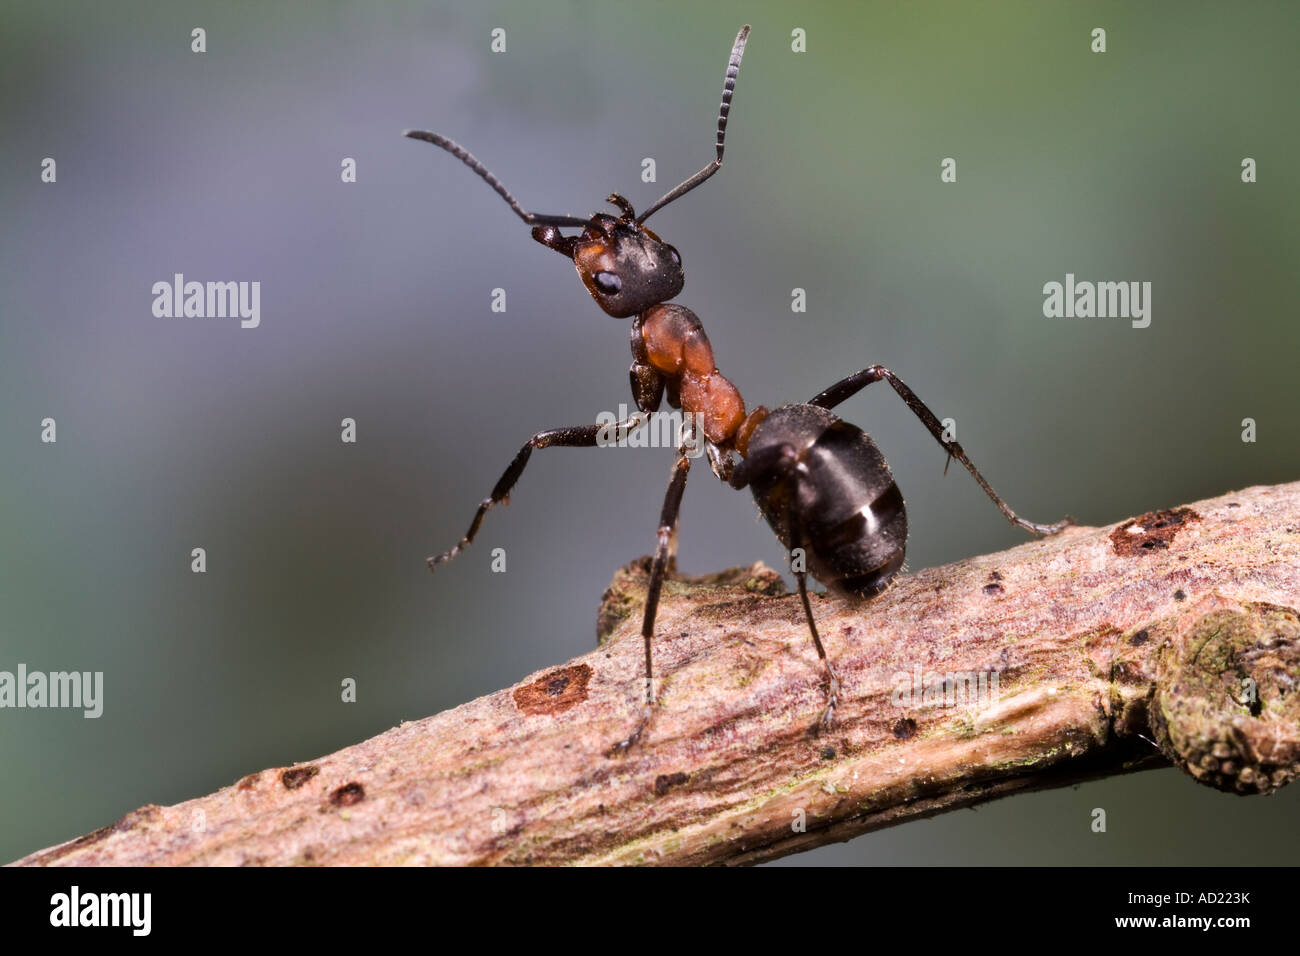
[[837, 488]]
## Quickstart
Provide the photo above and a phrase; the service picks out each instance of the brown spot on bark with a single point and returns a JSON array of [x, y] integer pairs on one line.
[[905, 728], [249, 782], [1152, 531], [295, 777], [828, 753], [993, 589], [555, 691], [665, 781], [348, 794], [1140, 638]]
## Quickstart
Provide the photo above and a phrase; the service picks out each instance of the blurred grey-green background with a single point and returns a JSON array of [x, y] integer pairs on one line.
[[175, 434]]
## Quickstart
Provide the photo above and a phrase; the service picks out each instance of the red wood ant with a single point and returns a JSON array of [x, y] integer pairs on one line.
[[821, 483]]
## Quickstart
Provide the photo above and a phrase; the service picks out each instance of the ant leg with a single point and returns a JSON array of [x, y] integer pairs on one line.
[[800, 572], [580, 436], [721, 462], [850, 386], [784, 458], [667, 534]]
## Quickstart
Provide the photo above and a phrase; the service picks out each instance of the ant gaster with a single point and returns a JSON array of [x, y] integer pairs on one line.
[[821, 483]]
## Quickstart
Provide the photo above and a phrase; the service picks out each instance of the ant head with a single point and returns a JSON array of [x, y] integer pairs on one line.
[[623, 264]]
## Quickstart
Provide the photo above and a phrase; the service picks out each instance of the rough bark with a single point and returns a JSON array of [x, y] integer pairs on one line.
[[1172, 638]]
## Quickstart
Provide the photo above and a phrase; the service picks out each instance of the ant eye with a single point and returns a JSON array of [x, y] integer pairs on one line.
[[677, 258], [607, 282]]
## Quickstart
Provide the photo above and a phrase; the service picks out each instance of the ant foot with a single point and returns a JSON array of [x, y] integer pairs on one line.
[[1034, 527], [827, 721], [628, 742]]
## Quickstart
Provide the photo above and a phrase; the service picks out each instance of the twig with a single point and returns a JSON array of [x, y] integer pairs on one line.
[[1169, 638]]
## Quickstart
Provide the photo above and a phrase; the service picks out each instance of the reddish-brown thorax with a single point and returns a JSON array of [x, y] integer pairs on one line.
[[679, 350]]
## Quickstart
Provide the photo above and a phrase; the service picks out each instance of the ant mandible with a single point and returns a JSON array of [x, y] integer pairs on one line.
[[821, 483]]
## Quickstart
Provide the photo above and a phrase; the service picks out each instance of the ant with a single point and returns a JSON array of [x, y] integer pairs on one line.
[[821, 483]]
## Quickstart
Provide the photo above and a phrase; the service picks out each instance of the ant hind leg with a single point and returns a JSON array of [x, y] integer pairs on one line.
[[846, 388]]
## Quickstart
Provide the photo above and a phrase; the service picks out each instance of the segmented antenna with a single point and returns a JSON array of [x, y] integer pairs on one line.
[[466, 157], [728, 88]]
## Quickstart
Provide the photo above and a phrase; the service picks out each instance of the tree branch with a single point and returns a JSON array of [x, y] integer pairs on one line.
[[1169, 638]]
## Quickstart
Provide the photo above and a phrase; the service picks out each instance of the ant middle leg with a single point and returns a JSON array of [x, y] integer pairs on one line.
[[847, 388], [578, 436]]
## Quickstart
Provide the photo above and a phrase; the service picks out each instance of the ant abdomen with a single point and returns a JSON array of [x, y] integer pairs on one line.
[[823, 486]]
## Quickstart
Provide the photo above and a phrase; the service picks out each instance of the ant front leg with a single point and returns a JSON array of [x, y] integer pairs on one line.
[[579, 436], [847, 388], [658, 570]]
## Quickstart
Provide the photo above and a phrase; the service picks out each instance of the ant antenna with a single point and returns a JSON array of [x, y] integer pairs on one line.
[[466, 157], [728, 88]]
